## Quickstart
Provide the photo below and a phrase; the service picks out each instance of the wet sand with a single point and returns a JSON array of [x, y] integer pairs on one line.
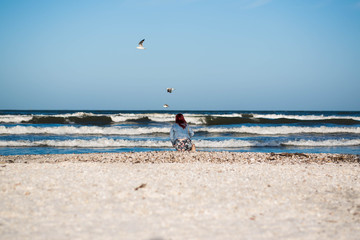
[[170, 195]]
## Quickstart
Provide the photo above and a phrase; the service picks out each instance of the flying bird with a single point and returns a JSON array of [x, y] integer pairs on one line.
[[169, 90], [140, 46], [166, 106]]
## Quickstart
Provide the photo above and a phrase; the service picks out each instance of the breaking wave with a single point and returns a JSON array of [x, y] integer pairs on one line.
[[84, 120], [305, 117], [97, 130], [14, 118], [38, 131], [120, 143], [324, 143], [211, 120], [80, 143], [85, 130], [193, 118], [282, 130]]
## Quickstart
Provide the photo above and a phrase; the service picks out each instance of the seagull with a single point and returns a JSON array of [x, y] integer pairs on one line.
[[169, 90], [140, 46], [166, 106]]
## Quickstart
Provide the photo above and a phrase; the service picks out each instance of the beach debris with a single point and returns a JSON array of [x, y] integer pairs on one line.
[[279, 156], [171, 157], [141, 186], [293, 154], [165, 106], [170, 90], [140, 46]]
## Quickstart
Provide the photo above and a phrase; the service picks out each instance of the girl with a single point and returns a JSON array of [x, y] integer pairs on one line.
[[180, 134]]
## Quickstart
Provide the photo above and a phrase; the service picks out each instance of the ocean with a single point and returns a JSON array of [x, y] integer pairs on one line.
[[65, 132]]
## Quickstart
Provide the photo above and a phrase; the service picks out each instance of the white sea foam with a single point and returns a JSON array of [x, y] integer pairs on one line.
[[324, 143], [95, 130], [85, 130], [157, 117], [81, 143], [232, 143], [304, 117], [14, 118], [282, 130], [111, 143], [24, 118], [76, 114]]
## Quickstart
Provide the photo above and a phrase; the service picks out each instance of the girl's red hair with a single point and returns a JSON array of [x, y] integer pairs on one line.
[[179, 119]]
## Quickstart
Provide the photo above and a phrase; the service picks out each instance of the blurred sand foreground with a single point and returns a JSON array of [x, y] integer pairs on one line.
[[169, 195]]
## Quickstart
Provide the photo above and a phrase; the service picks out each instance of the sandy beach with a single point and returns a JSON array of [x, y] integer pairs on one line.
[[170, 195]]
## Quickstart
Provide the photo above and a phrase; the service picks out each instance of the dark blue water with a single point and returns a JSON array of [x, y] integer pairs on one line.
[[53, 132]]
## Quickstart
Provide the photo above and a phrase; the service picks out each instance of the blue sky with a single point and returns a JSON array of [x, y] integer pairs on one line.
[[218, 55]]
